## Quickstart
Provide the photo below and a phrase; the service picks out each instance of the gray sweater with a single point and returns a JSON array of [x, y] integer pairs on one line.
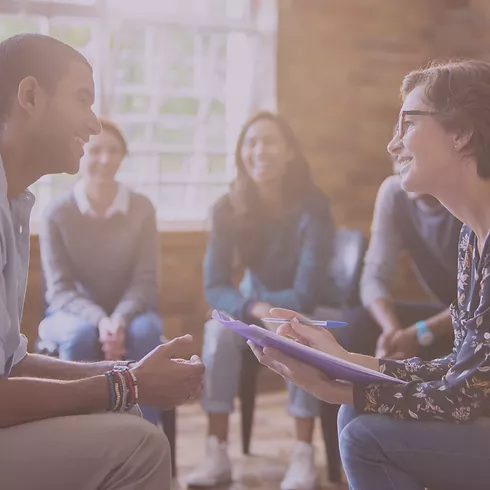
[[95, 267], [436, 229]]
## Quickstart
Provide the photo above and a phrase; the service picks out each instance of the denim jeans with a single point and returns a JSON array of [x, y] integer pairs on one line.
[[222, 356], [382, 453], [78, 340]]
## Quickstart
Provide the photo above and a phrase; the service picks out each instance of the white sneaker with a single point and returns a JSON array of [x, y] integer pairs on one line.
[[301, 474], [215, 469]]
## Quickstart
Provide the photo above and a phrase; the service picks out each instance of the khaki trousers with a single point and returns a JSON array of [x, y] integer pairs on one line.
[[86, 452]]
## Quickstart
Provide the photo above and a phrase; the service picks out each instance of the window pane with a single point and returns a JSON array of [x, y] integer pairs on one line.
[[173, 136], [134, 132], [215, 132], [11, 25], [216, 164], [130, 72], [180, 106], [62, 182], [130, 39], [171, 163], [74, 34], [175, 43], [179, 78], [139, 168], [131, 104]]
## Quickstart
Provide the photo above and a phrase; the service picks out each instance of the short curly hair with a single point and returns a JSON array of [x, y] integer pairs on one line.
[[459, 91]]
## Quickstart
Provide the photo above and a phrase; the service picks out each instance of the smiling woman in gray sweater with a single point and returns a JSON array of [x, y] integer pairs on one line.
[[99, 257]]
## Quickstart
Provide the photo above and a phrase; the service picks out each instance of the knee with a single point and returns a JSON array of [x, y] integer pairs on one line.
[[155, 454], [346, 415], [356, 441], [155, 445], [149, 449], [146, 328], [82, 344], [217, 338], [301, 403]]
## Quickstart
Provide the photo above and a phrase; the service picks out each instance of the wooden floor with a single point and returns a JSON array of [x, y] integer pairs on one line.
[[272, 441]]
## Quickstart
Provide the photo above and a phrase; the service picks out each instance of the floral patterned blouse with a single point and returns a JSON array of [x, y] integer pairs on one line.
[[455, 388]]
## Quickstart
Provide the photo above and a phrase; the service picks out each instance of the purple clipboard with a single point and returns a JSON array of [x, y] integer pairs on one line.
[[331, 366]]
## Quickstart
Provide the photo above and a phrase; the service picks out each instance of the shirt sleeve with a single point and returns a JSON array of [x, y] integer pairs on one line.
[[415, 369], [311, 273], [219, 291], [384, 248], [141, 295], [463, 392], [21, 351], [5, 326], [62, 292]]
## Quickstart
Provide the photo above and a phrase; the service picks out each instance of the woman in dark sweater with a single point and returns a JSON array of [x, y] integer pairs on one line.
[[99, 256], [278, 226]]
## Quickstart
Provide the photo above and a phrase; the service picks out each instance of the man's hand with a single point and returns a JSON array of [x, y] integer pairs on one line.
[[113, 339], [165, 380], [384, 344], [404, 344]]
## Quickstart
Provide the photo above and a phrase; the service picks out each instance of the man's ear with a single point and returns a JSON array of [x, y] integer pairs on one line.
[[30, 95]]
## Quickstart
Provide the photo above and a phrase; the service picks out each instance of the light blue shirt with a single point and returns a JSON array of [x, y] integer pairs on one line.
[[14, 263]]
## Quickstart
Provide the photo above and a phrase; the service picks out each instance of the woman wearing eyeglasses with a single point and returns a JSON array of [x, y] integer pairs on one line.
[[434, 431]]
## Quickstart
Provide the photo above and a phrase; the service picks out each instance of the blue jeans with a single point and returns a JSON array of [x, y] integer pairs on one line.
[[78, 340], [382, 453], [222, 355]]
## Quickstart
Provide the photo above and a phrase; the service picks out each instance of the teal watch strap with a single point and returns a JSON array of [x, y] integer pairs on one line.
[[425, 336]]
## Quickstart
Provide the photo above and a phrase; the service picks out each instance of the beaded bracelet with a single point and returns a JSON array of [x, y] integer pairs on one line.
[[123, 364], [123, 389]]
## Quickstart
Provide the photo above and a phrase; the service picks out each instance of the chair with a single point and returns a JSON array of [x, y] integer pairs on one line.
[[168, 417], [344, 270]]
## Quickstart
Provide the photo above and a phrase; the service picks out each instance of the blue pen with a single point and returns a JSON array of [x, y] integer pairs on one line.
[[311, 323]]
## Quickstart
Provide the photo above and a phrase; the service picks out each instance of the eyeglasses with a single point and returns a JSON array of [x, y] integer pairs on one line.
[[400, 132]]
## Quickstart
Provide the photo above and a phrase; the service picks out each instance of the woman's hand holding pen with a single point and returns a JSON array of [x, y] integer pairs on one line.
[[307, 377], [317, 338]]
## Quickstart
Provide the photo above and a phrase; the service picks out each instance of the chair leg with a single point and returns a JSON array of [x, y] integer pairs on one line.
[[248, 386], [169, 427], [331, 440]]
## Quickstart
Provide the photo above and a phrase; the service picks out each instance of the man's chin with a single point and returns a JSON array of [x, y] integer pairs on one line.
[[68, 167], [74, 169]]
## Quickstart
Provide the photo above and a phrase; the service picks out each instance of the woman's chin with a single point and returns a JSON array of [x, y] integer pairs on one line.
[[409, 181]]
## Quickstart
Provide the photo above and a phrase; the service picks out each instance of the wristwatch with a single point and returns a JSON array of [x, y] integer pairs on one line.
[[425, 336]]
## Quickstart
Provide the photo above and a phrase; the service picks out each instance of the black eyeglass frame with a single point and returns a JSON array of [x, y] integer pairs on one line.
[[400, 131]]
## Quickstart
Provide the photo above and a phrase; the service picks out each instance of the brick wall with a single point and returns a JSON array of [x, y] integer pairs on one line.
[[340, 64]]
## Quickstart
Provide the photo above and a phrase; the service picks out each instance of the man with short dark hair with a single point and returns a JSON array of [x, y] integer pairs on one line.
[[53, 430]]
